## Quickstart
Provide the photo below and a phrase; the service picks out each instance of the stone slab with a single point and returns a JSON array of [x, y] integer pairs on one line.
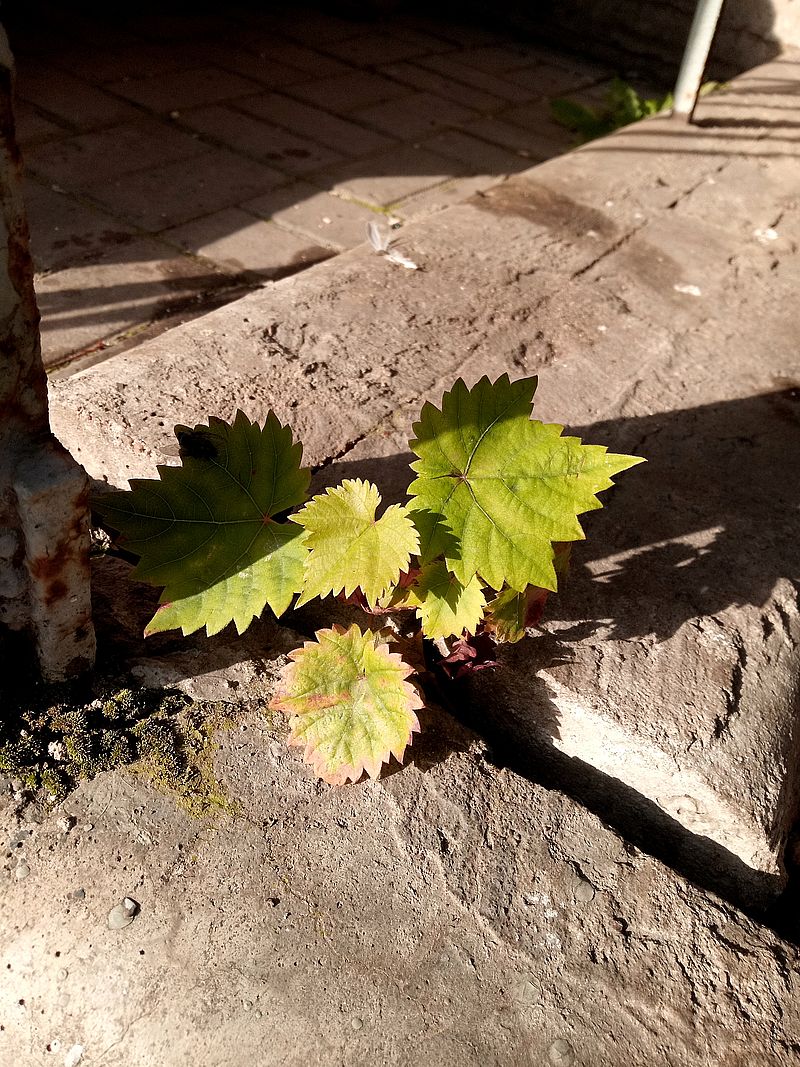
[[238, 243], [535, 140], [677, 649], [414, 117], [81, 162], [475, 155], [431, 82], [321, 216], [129, 283], [184, 89], [449, 67], [389, 176], [367, 49], [346, 92], [453, 913], [66, 231], [68, 98], [442, 196], [158, 197], [274, 47], [260, 140], [32, 126], [330, 130]]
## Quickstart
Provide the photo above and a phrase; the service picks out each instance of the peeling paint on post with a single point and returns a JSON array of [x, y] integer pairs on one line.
[[44, 516]]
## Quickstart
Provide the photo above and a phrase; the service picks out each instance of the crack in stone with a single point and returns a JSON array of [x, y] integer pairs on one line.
[[698, 184], [347, 447], [733, 695], [623, 240]]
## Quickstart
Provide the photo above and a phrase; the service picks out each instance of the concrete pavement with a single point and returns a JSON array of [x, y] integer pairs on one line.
[[171, 167], [560, 877]]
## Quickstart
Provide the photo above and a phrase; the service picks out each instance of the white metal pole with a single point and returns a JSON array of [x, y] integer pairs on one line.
[[693, 64]]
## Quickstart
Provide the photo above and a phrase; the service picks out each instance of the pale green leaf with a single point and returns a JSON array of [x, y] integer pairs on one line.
[[511, 612], [445, 607], [504, 485], [507, 614], [205, 530], [349, 547], [349, 703]]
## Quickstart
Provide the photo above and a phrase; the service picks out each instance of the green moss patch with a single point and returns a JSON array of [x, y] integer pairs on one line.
[[58, 736]]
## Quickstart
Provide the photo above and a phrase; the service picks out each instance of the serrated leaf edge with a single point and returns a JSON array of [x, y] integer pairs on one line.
[[311, 756]]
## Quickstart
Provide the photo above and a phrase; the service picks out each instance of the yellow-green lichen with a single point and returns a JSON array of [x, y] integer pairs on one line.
[[55, 737]]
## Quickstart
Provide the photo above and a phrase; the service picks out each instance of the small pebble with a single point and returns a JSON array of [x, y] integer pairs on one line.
[[688, 290], [584, 891], [74, 1056], [123, 914], [247, 1004], [561, 1053], [22, 872], [65, 823], [767, 234], [356, 1023], [78, 894], [62, 973]]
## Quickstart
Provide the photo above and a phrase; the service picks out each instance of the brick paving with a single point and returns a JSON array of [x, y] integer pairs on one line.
[[173, 161]]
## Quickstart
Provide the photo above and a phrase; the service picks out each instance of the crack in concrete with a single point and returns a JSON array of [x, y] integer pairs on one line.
[[698, 184], [342, 452], [733, 695], [623, 240]]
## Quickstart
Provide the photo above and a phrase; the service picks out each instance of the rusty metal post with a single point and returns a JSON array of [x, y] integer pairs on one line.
[[44, 518]]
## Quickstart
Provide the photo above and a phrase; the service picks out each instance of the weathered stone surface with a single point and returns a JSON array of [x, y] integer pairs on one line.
[[659, 328], [44, 535], [698, 723], [452, 913], [237, 669]]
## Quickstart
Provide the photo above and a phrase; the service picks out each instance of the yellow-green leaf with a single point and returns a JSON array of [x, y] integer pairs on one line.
[[349, 703], [444, 606], [349, 547], [503, 485]]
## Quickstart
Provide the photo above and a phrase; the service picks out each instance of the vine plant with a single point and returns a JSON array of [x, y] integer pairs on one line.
[[473, 553]]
